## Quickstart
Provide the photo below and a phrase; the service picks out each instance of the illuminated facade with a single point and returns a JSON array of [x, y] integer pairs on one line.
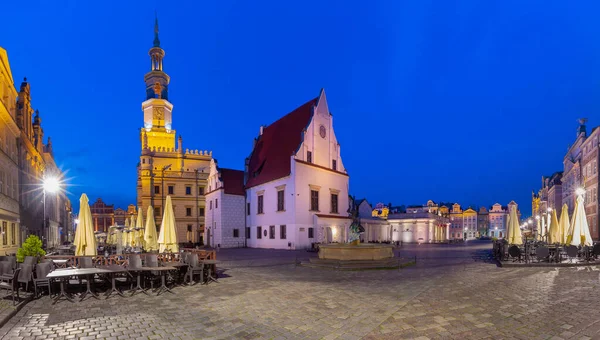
[[226, 197], [103, 215], [296, 183], [589, 169], [470, 224], [483, 221], [10, 239], [24, 162], [498, 221], [166, 168]]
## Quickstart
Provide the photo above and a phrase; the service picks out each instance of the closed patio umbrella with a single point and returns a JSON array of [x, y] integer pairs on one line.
[[125, 235], [139, 225], [150, 238], [167, 238], [563, 224], [132, 234], [553, 231], [579, 231], [85, 240], [514, 231]]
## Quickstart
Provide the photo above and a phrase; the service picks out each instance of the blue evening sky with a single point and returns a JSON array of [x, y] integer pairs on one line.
[[468, 101]]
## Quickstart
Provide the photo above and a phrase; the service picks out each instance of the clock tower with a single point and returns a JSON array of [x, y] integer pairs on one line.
[[157, 131]]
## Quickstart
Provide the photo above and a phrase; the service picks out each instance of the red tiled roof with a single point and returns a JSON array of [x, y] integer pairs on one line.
[[233, 181], [270, 159]]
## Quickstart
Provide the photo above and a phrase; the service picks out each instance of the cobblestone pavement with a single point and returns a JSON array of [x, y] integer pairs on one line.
[[454, 292]]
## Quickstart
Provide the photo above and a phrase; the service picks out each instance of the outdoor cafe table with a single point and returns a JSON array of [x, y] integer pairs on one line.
[[64, 274], [113, 270], [163, 270], [180, 266], [211, 264]]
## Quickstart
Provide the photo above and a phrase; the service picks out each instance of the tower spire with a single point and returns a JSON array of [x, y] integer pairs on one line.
[[156, 40]]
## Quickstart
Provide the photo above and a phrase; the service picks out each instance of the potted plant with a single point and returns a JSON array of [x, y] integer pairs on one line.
[[31, 247]]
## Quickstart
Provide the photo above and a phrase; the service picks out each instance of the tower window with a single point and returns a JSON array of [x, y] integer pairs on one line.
[[309, 156], [334, 164]]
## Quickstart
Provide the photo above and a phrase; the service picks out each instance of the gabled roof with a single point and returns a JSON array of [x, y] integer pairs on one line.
[[233, 181], [270, 159]]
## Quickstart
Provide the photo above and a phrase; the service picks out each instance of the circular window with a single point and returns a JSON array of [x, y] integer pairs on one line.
[[265, 233], [322, 131]]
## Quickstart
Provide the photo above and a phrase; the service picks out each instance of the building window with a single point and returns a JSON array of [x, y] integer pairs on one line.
[[309, 156], [280, 198], [311, 232], [248, 209], [236, 233], [210, 205], [188, 211], [216, 203], [171, 189], [4, 233], [282, 232], [258, 232], [188, 190], [200, 190], [272, 232], [189, 228], [13, 234], [334, 203], [156, 189], [201, 211], [156, 211], [248, 232], [259, 209], [334, 164], [314, 200]]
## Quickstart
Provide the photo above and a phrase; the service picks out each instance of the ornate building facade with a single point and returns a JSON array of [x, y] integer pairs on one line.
[[9, 170], [103, 215], [27, 161], [165, 167]]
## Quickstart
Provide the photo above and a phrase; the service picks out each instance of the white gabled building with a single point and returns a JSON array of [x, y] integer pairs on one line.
[[224, 214], [296, 183]]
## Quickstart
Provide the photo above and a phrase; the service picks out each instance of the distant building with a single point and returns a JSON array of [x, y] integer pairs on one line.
[[483, 221], [498, 219], [470, 224], [103, 215], [589, 169], [120, 216], [456, 223]]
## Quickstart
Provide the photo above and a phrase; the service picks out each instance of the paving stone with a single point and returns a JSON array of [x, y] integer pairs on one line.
[[462, 296]]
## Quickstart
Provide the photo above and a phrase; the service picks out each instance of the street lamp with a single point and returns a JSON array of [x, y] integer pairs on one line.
[[49, 185]]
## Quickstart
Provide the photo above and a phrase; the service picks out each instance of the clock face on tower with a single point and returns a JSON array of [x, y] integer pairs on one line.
[[322, 131]]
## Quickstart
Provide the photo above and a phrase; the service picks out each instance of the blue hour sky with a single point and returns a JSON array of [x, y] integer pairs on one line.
[[468, 101]]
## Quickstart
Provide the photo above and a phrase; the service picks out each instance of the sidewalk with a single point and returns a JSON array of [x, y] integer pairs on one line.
[[8, 310]]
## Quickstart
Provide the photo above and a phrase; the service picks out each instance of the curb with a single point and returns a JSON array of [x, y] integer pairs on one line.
[[17, 308], [546, 265]]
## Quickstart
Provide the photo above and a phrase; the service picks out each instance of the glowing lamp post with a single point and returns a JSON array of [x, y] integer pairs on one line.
[[49, 185]]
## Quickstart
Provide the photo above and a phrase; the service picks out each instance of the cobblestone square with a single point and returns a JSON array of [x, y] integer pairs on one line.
[[454, 292]]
